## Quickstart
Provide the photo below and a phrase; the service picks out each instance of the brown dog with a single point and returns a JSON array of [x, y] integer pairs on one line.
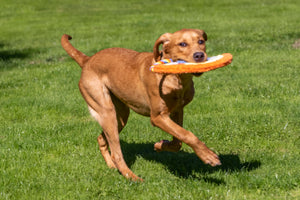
[[115, 80]]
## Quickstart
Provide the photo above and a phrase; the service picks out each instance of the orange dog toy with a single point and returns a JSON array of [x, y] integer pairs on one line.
[[167, 66]]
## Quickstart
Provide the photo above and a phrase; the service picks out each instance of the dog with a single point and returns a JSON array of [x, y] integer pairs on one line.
[[115, 80]]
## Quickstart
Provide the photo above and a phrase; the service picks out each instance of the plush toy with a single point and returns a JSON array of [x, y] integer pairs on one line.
[[167, 66]]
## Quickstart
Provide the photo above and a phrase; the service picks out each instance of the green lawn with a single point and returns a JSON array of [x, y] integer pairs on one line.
[[248, 112]]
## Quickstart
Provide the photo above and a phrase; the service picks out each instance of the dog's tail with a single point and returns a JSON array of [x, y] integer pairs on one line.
[[78, 56]]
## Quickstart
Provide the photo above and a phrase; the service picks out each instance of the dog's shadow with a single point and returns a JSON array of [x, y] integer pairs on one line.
[[184, 164]]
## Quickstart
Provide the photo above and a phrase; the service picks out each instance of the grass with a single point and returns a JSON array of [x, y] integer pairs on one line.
[[248, 112]]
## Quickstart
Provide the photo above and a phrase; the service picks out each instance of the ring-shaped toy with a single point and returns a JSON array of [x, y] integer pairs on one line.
[[167, 66]]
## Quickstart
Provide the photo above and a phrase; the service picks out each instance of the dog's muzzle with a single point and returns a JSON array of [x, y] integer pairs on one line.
[[199, 57]]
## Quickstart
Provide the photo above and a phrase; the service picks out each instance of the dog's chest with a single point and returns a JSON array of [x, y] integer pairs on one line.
[[170, 83], [175, 86]]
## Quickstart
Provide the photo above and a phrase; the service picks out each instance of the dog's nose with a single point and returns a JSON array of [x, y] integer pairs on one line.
[[199, 56]]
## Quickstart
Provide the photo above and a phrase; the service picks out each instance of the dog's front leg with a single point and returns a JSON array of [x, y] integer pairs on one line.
[[175, 144], [163, 121]]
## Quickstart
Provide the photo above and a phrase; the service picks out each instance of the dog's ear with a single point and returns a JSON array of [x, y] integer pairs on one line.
[[202, 32], [205, 36], [163, 39]]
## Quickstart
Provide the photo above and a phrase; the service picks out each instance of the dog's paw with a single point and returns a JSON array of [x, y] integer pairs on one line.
[[158, 146], [132, 177], [210, 158], [165, 145]]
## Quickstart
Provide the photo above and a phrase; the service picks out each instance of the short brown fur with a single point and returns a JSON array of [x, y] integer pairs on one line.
[[115, 80]]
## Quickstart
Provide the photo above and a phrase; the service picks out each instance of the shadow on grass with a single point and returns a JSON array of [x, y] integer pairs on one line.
[[11, 54], [8, 55], [186, 165]]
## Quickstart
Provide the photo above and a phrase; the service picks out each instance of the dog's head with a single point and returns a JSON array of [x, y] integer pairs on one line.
[[187, 45]]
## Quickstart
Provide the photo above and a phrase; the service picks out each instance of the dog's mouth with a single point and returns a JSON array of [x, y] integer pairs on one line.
[[181, 61], [197, 57], [184, 61]]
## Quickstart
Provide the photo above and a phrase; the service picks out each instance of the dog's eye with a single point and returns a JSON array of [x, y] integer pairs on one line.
[[182, 44], [201, 41]]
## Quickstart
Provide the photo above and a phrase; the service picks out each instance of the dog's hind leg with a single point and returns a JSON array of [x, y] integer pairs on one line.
[[122, 112], [102, 141], [103, 146], [112, 116]]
